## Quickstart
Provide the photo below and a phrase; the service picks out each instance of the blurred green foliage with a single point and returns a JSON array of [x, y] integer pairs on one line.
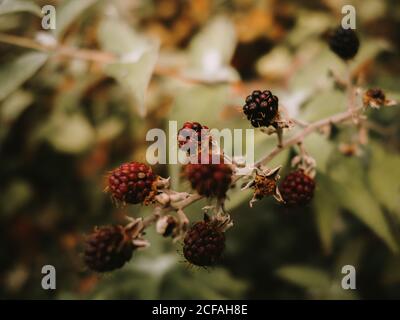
[[65, 121]]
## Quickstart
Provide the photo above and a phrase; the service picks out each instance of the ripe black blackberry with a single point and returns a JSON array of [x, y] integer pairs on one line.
[[344, 42], [192, 134], [204, 243], [132, 182], [297, 188], [209, 180], [107, 248], [261, 108]]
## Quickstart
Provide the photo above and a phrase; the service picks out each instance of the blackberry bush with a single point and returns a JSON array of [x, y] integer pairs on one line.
[[72, 104]]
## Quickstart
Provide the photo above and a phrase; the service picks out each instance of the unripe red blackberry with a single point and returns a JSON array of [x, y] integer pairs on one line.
[[209, 180], [107, 248], [261, 108], [204, 243], [297, 188], [191, 134], [344, 42], [132, 182]]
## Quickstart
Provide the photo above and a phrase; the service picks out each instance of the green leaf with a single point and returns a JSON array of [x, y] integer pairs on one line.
[[15, 73], [384, 177], [14, 105], [391, 275], [203, 101], [109, 129], [71, 134], [14, 197], [139, 55], [68, 11], [320, 148], [355, 197], [135, 75], [369, 49], [276, 63], [203, 284], [211, 51], [116, 36], [324, 104], [313, 75], [306, 277], [11, 108], [309, 24], [369, 10], [138, 58], [326, 209], [9, 23], [350, 255], [237, 197], [13, 6]]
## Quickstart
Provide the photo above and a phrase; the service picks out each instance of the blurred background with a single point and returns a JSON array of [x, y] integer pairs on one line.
[[68, 116]]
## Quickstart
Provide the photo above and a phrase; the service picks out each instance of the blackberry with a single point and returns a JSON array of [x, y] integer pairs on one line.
[[344, 42], [107, 248], [204, 243], [297, 188], [192, 134], [261, 108], [209, 180], [132, 182]]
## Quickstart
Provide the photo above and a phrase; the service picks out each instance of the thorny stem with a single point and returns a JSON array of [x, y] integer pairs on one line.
[[338, 118], [300, 123], [182, 217], [188, 201], [150, 220], [62, 50]]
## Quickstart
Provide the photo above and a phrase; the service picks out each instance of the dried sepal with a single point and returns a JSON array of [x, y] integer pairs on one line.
[[168, 198], [135, 231], [167, 226], [265, 184], [376, 98], [280, 122], [350, 149], [218, 215]]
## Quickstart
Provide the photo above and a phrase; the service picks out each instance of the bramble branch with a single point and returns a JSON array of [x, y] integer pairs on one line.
[[87, 54], [336, 119]]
